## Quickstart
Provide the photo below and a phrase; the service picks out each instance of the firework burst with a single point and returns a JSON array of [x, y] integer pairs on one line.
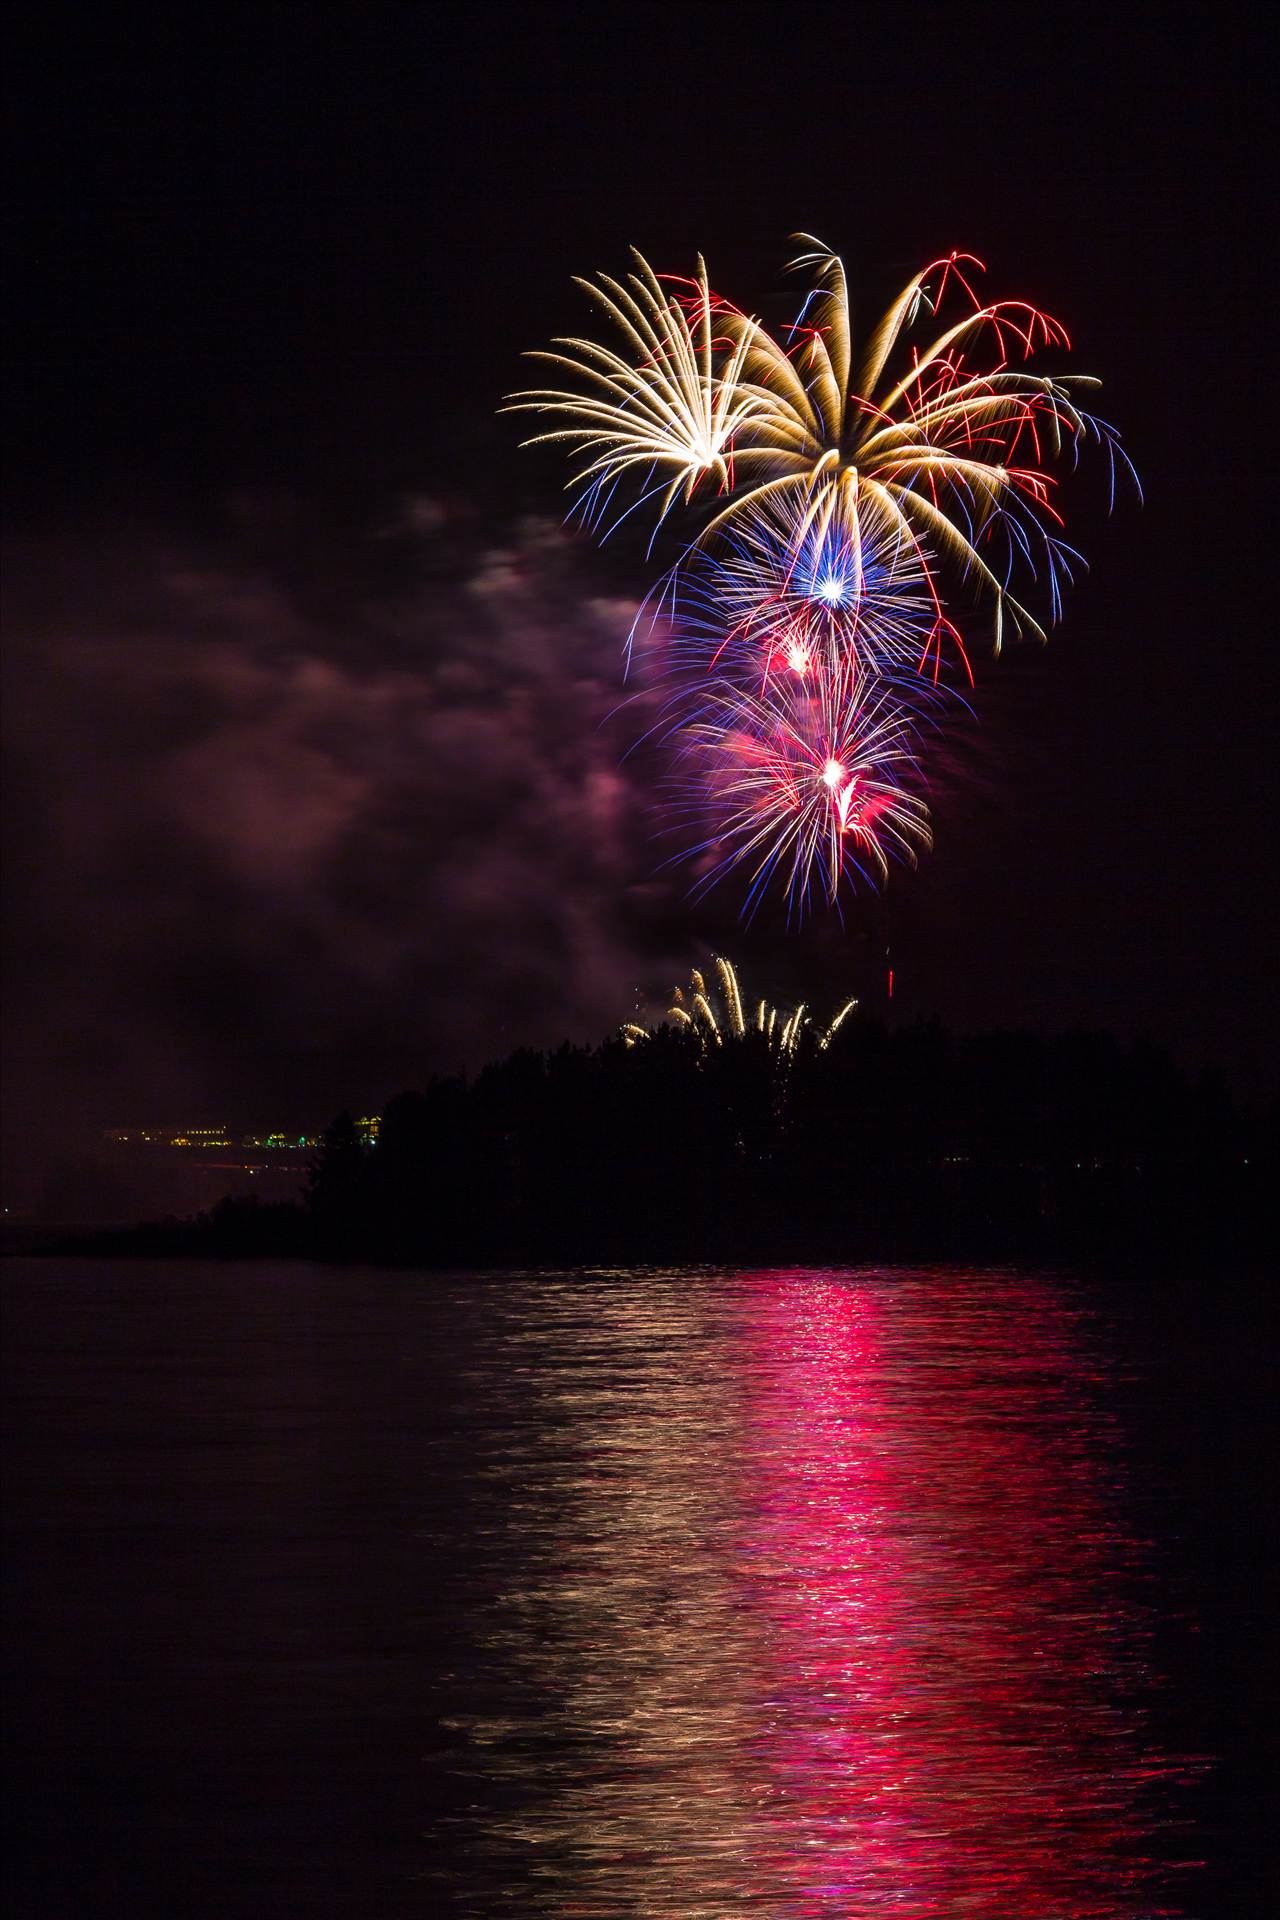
[[714, 1015], [806, 782], [782, 590], [842, 489]]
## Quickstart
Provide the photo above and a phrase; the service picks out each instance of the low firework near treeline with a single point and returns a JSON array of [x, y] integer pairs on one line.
[[777, 1033], [844, 497]]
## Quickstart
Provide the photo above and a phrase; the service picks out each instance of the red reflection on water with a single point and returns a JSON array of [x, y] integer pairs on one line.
[[930, 1549]]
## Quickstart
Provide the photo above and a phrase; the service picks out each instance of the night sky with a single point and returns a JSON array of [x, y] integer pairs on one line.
[[313, 786]]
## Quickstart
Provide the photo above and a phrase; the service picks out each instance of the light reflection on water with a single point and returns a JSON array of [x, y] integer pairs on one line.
[[799, 1595], [817, 1602]]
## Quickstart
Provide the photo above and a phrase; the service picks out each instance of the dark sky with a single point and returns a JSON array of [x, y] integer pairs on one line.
[[308, 790]]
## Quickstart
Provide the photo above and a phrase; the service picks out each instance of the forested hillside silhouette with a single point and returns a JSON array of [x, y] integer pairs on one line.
[[883, 1144]]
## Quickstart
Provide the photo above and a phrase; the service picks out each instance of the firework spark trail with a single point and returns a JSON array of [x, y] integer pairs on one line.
[[842, 486], [673, 409]]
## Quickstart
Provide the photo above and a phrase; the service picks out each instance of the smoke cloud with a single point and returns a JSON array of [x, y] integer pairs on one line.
[[289, 829]]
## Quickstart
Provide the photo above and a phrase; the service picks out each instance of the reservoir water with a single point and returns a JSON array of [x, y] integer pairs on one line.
[[799, 1594]]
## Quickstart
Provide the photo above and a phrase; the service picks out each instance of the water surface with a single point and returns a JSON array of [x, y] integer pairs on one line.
[[786, 1594]]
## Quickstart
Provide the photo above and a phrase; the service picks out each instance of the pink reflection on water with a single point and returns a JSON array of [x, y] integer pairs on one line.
[[931, 1548]]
